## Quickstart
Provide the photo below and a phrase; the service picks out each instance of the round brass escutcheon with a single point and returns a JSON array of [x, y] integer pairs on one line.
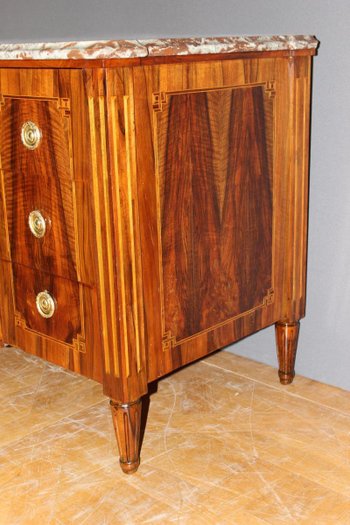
[[37, 224], [31, 135], [46, 304]]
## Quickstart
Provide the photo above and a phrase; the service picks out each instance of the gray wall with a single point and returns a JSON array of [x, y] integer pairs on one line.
[[324, 349]]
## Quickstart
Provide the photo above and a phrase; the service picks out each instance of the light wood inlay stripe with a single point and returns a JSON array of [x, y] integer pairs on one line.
[[98, 223], [120, 236], [107, 209], [304, 188], [130, 137]]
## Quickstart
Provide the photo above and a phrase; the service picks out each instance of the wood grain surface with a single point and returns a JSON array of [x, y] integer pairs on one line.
[[56, 179], [222, 200], [215, 183], [287, 342], [39, 179]]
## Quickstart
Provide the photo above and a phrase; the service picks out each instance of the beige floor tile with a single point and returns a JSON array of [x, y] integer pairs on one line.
[[224, 444], [29, 402], [319, 393]]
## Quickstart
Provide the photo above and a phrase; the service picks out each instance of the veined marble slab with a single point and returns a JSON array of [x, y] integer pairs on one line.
[[121, 49], [228, 44], [89, 49]]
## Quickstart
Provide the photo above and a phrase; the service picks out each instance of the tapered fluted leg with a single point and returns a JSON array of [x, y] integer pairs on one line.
[[287, 342], [126, 421]]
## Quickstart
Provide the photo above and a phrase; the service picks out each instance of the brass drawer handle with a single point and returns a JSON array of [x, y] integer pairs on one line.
[[31, 135], [46, 304], [37, 224]]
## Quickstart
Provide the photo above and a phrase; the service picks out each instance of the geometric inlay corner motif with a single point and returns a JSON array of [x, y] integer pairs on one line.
[[20, 321], [63, 104], [79, 344], [159, 100], [270, 89], [269, 297], [168, 341]]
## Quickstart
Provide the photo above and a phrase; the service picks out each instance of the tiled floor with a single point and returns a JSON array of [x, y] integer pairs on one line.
[[224, 444]]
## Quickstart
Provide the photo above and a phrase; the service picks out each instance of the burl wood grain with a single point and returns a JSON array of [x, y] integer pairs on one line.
[[215, 178]]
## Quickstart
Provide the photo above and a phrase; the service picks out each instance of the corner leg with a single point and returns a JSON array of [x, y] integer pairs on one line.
[[127, 422], [287, 342]]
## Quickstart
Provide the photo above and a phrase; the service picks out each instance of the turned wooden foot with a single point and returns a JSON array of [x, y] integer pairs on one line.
[[126, 421], [286, 341]]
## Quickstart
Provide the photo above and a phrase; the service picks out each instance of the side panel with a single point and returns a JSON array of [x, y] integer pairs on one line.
[[215, 161]]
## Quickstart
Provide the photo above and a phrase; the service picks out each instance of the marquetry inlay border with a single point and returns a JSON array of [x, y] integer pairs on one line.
[[64, 106], [159, 101]]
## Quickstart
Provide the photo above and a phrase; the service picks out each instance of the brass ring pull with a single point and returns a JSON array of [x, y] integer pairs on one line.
[[37, 224], [46, 304], [31, 135]]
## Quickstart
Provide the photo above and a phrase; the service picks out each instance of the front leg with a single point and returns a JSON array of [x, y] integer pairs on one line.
[[127, 422], [287, 342]]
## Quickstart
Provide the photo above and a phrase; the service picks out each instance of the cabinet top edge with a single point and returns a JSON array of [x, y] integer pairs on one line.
[[162, 47]]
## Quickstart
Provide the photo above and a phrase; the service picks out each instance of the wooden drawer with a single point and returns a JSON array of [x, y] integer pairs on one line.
[[40, 218], [19, 152], [65, 323], [35, 158]]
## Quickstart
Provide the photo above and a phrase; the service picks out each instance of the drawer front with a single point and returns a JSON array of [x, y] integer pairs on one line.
[[47, 305], [35, 136], [38, 185]]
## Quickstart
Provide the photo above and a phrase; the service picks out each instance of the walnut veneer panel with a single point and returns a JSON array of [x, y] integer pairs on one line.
[[56, 179], [65, 324], [39, 179], [215, 170]]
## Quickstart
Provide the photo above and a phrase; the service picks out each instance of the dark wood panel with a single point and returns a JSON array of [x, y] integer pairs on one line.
[[215, 178], [65, 324], [39, 179], [55, 178], [53, 151]]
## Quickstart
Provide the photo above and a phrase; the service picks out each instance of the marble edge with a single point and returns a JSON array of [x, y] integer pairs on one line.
[[122, 49], [87, 50], [228, 44]]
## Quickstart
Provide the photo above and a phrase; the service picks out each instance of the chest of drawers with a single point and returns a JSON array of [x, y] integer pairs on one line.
[[153, 205]]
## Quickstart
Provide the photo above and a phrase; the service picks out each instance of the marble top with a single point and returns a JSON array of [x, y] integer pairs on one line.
[[122, 49]]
